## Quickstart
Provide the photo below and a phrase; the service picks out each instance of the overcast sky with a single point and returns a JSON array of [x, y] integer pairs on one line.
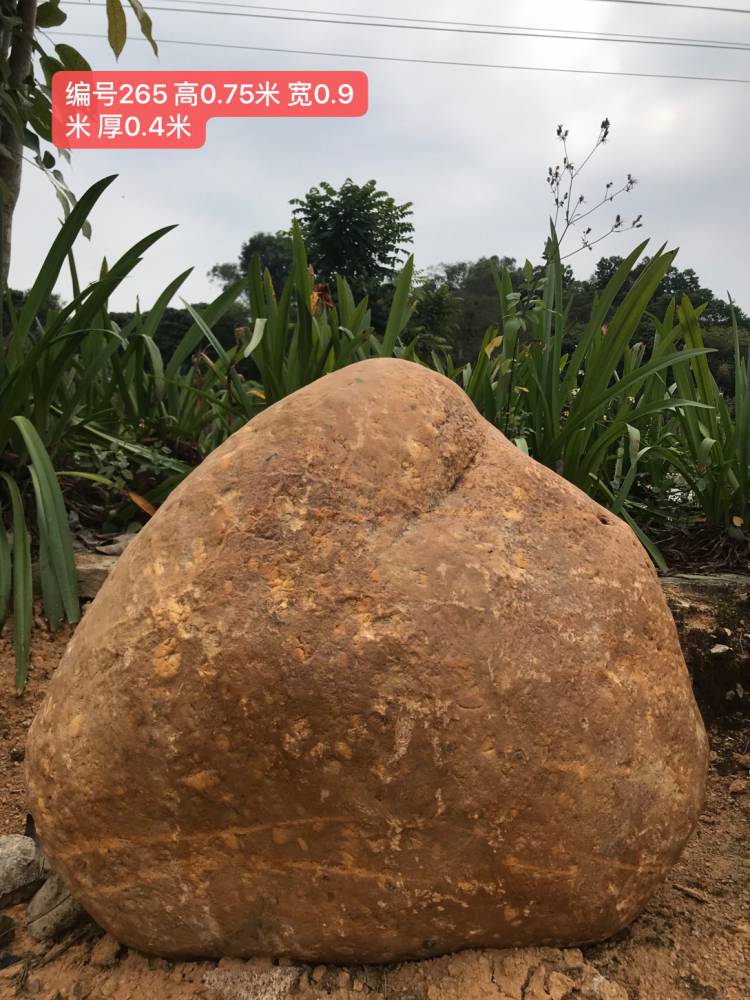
[[470, 147]]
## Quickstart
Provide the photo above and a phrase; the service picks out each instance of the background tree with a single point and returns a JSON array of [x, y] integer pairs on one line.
[[472, 283], [472, 290], [357, 231], [275, 252], [26, 71], [435, 321], [675, 283]]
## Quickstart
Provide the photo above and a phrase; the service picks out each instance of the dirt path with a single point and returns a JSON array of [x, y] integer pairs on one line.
[[691, 943]]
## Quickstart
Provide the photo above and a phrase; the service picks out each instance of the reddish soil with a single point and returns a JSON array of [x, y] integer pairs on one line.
[[17, 712], [692, 942]]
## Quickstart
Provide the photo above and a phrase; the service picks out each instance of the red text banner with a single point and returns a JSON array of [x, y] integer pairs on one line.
[[169, 110]]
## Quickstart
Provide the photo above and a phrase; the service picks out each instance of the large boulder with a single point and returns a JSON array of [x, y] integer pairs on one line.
[[371, 684]]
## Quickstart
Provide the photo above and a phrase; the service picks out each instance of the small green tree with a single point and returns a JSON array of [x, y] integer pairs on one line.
[[358, 231]]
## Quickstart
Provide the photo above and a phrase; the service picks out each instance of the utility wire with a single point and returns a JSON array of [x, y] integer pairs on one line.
[[496, 31], [452, 23], [679, 6], [421, 62]]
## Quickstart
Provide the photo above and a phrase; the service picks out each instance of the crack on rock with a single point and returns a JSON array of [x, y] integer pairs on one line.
[[527, 983], [476, 443], [464, 471]]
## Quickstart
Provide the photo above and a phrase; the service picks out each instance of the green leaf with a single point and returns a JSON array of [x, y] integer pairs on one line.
[[194, 335], [58, 252], [91, 477], [140, 450], [71, 58], [258, 331], [145, 23], [49, 15], [229, 372], [52, 505], [117, 28], [401, 310], [31, 141], [51, 596], [6, 587], [23, 598], [156, 312]]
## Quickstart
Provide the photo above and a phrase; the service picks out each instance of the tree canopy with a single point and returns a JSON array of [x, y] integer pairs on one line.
[[463, 317], [274, 251], [356, 230]]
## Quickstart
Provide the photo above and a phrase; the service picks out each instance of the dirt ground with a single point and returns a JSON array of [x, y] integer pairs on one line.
[[17, 713], [692, 941]]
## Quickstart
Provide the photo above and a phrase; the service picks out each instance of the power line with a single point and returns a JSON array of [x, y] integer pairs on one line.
[[453, 23], [465, 24], [679, 6], [578, 33], [495, 30], [422, 62]]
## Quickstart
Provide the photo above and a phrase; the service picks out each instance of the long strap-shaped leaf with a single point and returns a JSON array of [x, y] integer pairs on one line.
[[595, 407], [58, 253], [228, 373], [22, 589], [51, 594], [51, 499], [210, 314], [400, 311], [90, 301], [6, 587]]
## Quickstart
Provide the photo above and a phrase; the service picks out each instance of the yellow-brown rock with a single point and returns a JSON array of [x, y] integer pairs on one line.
[[371, 684]]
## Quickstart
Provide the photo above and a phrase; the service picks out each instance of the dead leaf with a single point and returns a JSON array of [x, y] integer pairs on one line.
[[320, 299], [141, 502], [693, 893], [496, 342]]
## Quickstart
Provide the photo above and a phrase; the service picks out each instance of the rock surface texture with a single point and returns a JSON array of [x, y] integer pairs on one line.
[[53, 911], [371, 684], [22, 869]]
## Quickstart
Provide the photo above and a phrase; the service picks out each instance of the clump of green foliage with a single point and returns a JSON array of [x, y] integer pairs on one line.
[[83, 398], [87, 398]]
